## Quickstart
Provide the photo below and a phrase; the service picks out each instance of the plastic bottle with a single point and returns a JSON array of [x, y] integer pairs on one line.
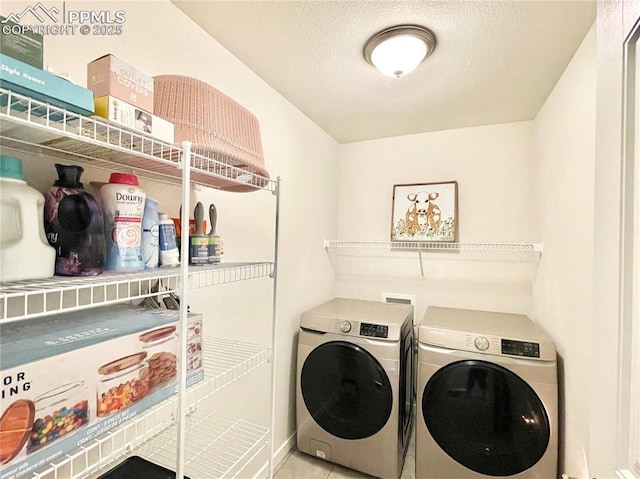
[[74, 225], [24, 250], [198, 241], [123, 206], [150, 232], [215, 242], [169, 254]]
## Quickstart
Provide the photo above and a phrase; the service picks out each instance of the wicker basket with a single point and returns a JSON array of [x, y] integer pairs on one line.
[[217, 127]]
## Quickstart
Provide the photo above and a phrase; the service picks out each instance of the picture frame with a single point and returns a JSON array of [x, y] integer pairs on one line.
[[425, 212]]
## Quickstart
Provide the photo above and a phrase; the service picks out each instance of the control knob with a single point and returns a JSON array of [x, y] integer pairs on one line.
[[345, 327], [481, 343]]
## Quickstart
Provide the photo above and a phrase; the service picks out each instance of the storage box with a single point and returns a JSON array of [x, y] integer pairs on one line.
[[195, 370], [70, 378], [44, 86], [121, 112], [22, 44], [108, 75]]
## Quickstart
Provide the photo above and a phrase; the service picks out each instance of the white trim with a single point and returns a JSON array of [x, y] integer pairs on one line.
[[629, 407], [278, 457]]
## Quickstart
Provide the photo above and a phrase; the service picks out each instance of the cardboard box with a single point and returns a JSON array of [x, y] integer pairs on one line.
[[22, 44], [121, 112], [75, 376], [194, 349], [108, 75], [44, 86]]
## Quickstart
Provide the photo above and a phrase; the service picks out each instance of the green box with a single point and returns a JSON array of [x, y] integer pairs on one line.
[[44, 86], [22, 44]]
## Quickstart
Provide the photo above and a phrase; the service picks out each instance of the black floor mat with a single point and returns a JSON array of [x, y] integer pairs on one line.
[[136, 467]]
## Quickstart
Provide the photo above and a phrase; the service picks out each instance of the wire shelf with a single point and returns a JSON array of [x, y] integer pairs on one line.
[[30, 125], [217, 446], [153, 435], [200, 277], [369, 247], [411, 258], [27, 299], [508, 252]]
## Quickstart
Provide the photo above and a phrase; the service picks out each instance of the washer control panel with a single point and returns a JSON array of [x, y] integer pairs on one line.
[[374, 330], [520, 348]]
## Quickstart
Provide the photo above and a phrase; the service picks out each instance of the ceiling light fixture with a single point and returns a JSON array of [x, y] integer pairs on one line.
[[399, 50]]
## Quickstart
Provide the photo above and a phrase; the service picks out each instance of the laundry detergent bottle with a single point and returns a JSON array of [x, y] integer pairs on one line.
[[74, 225], [123, 206], [24, 250]]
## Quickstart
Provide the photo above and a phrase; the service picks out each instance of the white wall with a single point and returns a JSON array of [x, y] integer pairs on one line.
[[159, 39], [565, 139], [493, 166]]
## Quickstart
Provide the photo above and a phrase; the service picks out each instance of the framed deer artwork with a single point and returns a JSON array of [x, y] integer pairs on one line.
[[425, 212]]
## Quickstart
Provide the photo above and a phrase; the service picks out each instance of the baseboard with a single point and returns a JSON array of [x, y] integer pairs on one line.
[[282, 452]]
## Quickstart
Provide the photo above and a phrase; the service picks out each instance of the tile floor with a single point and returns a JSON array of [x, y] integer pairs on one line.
[[298, 465]]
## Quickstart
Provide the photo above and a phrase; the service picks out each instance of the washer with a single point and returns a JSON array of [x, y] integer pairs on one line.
[[355, 384], [487, 397]]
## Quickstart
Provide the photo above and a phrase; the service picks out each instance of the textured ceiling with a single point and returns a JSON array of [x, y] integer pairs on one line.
[[495, 61]]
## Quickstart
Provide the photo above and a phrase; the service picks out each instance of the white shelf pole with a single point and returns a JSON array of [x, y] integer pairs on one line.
[[273, 330], [184, 280]]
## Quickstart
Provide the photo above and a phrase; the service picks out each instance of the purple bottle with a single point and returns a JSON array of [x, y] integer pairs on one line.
[[74, 225]]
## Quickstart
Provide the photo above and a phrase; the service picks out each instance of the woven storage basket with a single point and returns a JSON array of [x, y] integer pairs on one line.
[[217, 127]]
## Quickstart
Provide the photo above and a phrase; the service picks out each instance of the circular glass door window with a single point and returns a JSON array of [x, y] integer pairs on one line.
[[346, 390], [486, 418]]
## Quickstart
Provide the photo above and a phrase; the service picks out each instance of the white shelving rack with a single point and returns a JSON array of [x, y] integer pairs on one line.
[[27, 125]]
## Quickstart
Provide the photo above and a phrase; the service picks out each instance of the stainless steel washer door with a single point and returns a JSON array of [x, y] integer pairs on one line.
[[485, 417], [346, 390]]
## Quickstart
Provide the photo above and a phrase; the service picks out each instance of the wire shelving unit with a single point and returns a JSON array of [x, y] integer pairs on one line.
[[38, 128]]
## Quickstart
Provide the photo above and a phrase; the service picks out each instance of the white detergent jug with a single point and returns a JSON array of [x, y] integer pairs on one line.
[[24, 250]]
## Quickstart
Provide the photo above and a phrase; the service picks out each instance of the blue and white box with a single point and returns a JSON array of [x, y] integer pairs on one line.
[[67, 379], [44, 86]]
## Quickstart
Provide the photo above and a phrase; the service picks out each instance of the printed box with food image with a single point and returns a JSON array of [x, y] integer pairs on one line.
[[67, 379]]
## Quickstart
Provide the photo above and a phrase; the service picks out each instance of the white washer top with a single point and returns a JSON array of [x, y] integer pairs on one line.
[[356, 317], [486, 332]]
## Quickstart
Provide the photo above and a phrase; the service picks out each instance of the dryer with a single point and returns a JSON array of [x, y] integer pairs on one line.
[[355, 384], [487, 397]]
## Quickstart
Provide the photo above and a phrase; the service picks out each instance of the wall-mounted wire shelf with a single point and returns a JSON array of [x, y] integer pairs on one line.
[[40, 128], [152, 434], [390, 257], [27, 299], [373, 247]]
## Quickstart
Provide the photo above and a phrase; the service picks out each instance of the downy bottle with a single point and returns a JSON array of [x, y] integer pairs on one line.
[[123, 206]]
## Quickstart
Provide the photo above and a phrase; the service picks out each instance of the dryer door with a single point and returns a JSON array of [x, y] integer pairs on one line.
[[346, 390], [486, 418]]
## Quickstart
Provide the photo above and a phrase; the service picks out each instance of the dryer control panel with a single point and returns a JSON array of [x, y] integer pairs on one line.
[[487, 344], [520, 348], [374, 330]]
